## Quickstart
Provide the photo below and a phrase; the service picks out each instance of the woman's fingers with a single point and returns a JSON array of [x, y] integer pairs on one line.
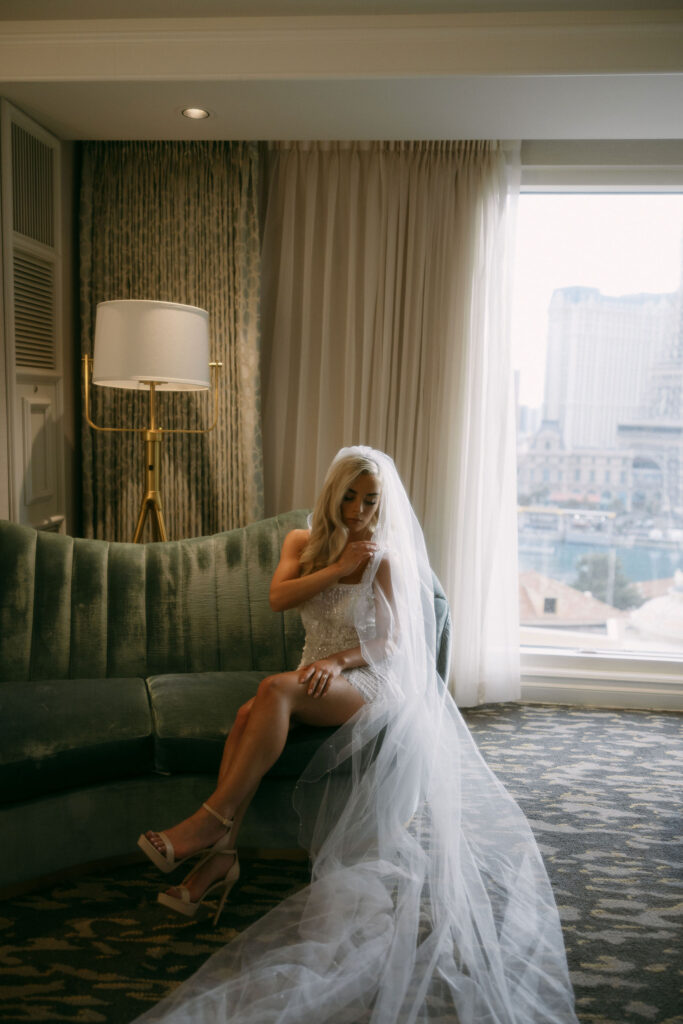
[[319, 683], [317, 678], [315, 683], [363, 547], [356, 551]]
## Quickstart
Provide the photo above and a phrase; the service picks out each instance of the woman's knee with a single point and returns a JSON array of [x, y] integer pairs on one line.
[[277, 686]]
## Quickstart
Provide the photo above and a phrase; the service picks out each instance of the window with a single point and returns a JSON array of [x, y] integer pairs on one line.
[[598, 350]]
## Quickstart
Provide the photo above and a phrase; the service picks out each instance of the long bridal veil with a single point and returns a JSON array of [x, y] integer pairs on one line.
[[428, 900]]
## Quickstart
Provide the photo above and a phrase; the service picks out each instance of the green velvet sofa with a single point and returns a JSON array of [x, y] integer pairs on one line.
[[122, 667]]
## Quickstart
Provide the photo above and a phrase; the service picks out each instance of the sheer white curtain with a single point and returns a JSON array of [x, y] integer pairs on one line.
[[385, 323]]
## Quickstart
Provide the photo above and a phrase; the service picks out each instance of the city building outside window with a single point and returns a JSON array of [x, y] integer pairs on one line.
[[598, 354]]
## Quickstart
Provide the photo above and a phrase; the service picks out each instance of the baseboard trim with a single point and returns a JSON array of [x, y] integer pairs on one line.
[[600, 693], [607, 679]]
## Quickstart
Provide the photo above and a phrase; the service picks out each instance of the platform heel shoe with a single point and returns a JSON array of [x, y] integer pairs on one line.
[[184, 905], [167, 862]]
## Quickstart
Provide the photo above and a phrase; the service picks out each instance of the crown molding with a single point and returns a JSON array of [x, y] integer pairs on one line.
[[225, 49]]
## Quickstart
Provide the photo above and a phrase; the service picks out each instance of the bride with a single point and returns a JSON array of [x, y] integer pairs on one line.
[[428, 898]]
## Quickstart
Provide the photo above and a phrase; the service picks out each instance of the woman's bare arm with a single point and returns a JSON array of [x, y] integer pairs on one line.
[[288, 589]]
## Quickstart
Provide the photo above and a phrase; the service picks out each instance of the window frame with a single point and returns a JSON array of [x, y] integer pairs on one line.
[[582, 674]]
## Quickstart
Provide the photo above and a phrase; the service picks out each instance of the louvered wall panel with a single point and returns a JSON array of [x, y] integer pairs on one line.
[[34, 312], [33, 337], [32, 186]]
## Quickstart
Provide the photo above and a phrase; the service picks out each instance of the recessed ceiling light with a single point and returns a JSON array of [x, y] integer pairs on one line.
[[195, 113]]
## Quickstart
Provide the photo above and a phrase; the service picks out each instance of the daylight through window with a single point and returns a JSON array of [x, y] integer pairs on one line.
[[598, 355]]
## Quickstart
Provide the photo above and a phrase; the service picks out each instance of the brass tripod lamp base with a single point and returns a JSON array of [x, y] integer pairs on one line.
[[151, 503]]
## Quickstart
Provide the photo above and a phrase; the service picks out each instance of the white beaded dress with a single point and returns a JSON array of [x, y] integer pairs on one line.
[[329, 619]]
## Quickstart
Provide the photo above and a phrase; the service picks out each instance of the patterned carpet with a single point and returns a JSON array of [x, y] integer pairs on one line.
[[601, 790]]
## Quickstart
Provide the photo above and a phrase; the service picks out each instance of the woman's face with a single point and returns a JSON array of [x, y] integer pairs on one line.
[[359, 504]]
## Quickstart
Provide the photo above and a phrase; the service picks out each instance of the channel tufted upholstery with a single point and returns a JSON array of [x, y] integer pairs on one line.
[[122, 668], [73, 608]]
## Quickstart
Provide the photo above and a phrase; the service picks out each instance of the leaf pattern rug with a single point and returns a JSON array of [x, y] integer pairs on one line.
[[601, 789]]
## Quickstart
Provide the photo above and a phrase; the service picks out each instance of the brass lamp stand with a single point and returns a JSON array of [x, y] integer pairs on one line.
[[151, 503]]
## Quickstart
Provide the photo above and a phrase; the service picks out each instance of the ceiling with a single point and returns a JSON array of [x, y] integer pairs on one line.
[[94, 9], [346, 69]]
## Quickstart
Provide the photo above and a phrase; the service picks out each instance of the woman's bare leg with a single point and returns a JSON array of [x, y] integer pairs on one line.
[[229, 750], [255, 742], [234, 737], [229, 747], [257, 747], [279, 699], [199, 880]]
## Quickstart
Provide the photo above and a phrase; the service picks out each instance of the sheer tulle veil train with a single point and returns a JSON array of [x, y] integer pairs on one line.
[[428, 898]]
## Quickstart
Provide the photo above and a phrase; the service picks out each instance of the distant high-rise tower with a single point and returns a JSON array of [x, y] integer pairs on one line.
[[655, 439], [604, 355], [665, 394]]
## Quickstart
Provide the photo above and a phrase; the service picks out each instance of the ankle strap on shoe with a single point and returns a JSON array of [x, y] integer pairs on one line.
[[225, 822]]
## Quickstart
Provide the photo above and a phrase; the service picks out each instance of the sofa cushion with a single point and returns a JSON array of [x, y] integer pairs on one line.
[[72, 732], [193, 712]]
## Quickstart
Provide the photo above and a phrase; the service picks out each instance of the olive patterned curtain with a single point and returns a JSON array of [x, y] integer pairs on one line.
[[175, 221]]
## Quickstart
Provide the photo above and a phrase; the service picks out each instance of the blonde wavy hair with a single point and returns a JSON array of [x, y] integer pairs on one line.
[[328, 533]]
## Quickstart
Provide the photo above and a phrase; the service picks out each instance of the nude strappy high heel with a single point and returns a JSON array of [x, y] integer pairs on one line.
[[183, 904], [227, 823], [166, 861]]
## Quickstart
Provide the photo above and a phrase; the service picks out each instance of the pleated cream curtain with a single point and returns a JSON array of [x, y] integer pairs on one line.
[[176, 221], [385, 323]]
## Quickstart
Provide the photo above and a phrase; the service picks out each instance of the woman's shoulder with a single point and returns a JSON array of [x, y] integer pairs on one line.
[[296, 539]]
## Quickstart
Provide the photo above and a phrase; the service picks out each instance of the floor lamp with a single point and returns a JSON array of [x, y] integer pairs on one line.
[[151, 346]]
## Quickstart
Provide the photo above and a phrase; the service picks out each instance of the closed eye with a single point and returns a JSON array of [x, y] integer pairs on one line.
[[370, 499]]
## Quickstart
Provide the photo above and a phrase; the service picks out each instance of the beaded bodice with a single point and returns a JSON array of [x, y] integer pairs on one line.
[[328, 618]]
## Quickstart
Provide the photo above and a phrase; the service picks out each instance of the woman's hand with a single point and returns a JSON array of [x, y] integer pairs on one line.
[[354, 554], [318, 675]]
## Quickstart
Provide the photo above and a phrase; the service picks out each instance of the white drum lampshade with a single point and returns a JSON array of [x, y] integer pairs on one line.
[[140, 341]]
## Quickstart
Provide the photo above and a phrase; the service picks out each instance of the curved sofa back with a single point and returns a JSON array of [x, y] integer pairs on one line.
[[73, 608], [88, 609]]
